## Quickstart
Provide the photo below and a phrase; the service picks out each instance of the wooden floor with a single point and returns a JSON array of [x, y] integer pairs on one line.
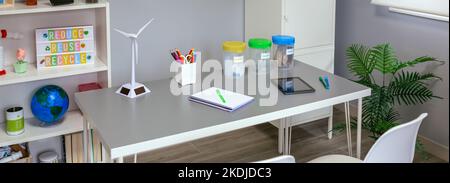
[[256, 143]]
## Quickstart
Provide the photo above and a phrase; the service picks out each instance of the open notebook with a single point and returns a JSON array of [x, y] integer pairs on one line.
[[221, 99]]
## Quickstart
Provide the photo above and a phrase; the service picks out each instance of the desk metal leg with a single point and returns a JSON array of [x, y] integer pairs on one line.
[[88, 150], [359, 129], [348, 127], [85, 140], [330, 124], [104, 156], [281, 137], [91, 145], [290, 137], [287, 136]]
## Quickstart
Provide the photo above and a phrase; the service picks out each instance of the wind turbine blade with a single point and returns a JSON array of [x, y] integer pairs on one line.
[[123, 33], [145, 26]]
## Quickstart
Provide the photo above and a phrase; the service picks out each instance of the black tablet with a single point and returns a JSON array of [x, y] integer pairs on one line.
[[294, 85]]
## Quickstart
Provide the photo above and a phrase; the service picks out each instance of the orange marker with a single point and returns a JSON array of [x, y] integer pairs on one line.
[[183, 59], [179, 53]]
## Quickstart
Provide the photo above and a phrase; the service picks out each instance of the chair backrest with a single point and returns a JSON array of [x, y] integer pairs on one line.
[[280, 159], [396, 145]]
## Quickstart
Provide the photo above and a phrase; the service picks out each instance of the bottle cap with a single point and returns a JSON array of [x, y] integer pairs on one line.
[[259, 43], [234, 46], [283, 40]]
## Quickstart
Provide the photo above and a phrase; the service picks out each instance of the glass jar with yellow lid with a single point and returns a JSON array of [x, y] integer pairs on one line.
[[234, 58]]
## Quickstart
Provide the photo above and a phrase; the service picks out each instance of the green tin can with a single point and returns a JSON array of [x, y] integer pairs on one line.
[[15, 121]]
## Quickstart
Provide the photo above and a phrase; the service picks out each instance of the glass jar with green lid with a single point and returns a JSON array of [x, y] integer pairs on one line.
[[260, 52], [234, 59]]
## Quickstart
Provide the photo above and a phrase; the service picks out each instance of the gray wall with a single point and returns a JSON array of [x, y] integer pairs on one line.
[[358, 21], [202, 24]]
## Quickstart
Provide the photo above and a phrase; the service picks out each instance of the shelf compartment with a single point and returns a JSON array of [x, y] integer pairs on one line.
[[72, 123], [45, 6], [34, 75]]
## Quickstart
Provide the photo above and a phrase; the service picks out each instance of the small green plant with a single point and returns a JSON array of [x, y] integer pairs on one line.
[[21, 61], [20, 66], [394, 85]]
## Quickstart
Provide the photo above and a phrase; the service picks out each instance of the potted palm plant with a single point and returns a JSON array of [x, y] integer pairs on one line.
[[396, 86], [21, 65]]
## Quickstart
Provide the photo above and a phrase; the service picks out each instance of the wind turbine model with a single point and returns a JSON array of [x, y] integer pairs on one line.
[[133, 89]]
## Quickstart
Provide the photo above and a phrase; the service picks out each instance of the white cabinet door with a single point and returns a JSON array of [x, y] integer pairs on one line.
[[310, 21], [323, 59]]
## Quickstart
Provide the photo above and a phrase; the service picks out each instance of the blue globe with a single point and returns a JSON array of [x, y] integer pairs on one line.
[[49, 104]]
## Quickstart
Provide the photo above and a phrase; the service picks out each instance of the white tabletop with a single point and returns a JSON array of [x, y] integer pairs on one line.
[[159, 119]]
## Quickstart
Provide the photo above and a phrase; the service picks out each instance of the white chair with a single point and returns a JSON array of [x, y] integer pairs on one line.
[[280, 159], [395, 146]]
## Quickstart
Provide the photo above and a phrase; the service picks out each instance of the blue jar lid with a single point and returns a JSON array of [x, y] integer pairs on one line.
[[283, 40]]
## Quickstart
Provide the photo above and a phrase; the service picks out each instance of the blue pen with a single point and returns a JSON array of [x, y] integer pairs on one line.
[[327, 82]]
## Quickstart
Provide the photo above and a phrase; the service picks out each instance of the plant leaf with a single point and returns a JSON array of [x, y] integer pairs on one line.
[[382, 127], [392, 115], [385, 59], [377, 107], [414, 62], [410, 88], [360, 63]]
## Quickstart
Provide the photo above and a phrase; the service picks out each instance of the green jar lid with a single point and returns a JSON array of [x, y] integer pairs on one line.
[[259, 43]]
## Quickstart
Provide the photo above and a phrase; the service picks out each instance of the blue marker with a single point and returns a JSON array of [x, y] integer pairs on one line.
[[327, 82]]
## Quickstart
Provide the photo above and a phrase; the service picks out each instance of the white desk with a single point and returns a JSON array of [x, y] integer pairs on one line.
[[128, 127]]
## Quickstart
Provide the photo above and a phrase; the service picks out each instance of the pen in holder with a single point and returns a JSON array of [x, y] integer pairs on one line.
[[187, 67]]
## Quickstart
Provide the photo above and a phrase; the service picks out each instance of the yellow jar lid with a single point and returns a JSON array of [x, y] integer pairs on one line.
[[234, 46]]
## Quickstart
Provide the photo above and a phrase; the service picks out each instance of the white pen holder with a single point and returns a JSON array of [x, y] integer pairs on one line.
[[187, 74]]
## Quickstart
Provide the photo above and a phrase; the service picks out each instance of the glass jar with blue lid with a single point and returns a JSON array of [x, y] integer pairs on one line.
[[283, 51]]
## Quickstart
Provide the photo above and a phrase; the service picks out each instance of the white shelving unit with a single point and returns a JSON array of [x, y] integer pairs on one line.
[[41, 16]]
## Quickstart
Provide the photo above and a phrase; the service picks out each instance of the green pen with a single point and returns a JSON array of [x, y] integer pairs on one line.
[[220, 96], [323, 82]]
